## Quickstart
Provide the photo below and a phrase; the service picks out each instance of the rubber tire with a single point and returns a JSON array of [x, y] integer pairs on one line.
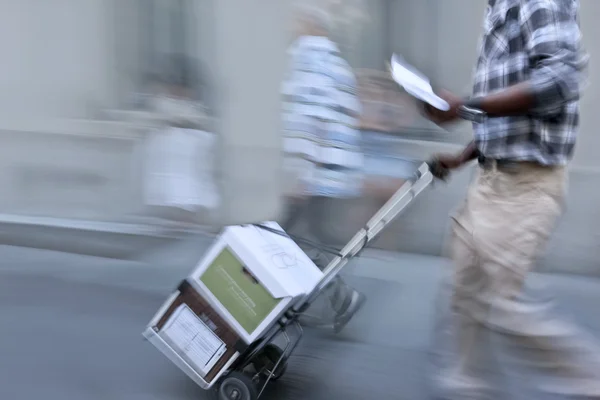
[[240, 382], [272, 353]]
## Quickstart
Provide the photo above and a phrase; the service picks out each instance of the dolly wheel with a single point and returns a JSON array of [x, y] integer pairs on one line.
[[237, 386], [266, 360]]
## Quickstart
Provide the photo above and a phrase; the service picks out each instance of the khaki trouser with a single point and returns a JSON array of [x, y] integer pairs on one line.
[[497, 235]]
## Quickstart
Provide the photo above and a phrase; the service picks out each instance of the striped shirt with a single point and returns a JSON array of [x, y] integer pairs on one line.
[[322, 142]]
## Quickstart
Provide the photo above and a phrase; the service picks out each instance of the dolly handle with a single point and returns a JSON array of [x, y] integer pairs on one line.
[[386, 214], [437, 169]]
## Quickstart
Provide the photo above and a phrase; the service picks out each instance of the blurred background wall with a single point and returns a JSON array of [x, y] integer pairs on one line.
[[69, 65], [73, 75]]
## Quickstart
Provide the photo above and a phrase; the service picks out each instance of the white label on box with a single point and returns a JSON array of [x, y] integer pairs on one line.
[[193, 340]]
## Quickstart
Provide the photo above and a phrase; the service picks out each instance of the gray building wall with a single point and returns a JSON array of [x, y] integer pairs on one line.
[[69, 59], [65, 63], [56, 58]]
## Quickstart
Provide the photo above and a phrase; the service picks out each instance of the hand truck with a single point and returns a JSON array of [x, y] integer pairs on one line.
[[269, 360]]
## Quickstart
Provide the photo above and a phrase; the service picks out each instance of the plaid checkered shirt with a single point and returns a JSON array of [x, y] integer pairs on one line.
[[538, 41]]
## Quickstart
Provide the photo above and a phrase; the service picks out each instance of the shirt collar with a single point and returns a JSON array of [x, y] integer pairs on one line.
[[498, 6], [497, 11]]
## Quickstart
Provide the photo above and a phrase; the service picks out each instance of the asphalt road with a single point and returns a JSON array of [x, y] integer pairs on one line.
[[71, 329]]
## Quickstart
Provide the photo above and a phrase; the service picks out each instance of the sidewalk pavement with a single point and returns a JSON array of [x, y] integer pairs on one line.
[[408, 284], [96, 238], [385, 350]]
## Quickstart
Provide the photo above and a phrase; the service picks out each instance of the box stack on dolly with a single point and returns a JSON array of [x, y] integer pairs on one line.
[[242, 287], [222, 324]]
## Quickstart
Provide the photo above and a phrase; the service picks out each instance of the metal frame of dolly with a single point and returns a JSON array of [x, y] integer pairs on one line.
[[236, 384]]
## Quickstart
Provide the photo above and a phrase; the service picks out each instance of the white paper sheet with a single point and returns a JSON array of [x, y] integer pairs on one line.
[[193, 340], [415, 83]]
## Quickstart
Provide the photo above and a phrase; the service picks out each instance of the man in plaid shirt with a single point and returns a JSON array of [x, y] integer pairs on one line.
[[528, 82]]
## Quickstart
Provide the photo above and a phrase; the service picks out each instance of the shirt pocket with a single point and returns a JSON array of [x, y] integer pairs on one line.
[[495, 46], [499, 28]]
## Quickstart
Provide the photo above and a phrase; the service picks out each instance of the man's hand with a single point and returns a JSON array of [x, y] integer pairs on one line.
[[440, 117], [450, 161], [442, 164]]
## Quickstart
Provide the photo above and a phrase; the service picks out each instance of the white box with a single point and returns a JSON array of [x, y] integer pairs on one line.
[[248, 278], [276, 262]]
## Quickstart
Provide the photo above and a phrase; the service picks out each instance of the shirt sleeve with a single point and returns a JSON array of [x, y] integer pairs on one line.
[[553, 42], [345, 88], [297, 166], [342, 122]]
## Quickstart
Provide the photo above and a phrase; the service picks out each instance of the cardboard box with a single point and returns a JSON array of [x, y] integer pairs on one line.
[[249, 277], [189, 332]]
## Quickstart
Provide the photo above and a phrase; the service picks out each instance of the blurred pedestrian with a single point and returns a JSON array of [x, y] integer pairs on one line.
[[322, 142], [179, 159], [528, 80]]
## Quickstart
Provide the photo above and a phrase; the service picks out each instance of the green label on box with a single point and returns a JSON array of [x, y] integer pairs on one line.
[[238, 291]]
